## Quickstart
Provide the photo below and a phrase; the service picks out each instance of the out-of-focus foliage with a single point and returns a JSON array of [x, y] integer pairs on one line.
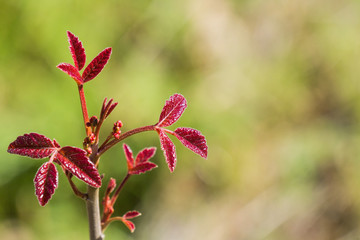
[[273, 85]]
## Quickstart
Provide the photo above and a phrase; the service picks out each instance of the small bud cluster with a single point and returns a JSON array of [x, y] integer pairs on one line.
[[117, 129], [88, 141]]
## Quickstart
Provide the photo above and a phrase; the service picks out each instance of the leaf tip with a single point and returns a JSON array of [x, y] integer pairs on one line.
[[173, 109]]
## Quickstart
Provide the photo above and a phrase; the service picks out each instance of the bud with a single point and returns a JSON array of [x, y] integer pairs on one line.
[[88, 150], [88, 141], [92, 139], [93, 121], [117, 129], [111, 186]]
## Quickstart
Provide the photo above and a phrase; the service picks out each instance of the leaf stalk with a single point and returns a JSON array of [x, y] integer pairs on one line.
[[84, 108]]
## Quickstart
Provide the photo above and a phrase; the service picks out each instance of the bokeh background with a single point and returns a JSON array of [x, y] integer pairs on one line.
[[273, 85]]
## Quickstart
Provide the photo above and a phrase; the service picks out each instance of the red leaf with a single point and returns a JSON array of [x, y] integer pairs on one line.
[[76, 161], [129, 156], [173, 109], [111, 108], [71, 71], [145, 155], [129, 224], [142, 168], [108, 206], [46, 181], [169, 150], [131, 214], [33, 145], [192, 139], [111, 186], [77, 51], [96, 65]]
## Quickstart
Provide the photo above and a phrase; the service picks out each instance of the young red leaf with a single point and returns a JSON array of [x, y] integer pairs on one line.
[[192, 139], [71, 71], [111, 108], [111, 186], [96, 65], [131, 214], [142, 168], [105, 107], [33, 145], [145, 155], [173, 109], [169, 150], [129, 224], [77, 51], [129, 156], [46, 181], [76, 161], [108, 206]]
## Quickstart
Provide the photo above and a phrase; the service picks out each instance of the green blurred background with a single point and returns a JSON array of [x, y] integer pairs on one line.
[[273, 85]]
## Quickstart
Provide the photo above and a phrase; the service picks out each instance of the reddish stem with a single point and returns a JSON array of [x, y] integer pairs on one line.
[[116, 194], [105, 224], [84, 108], [106, 140], [76, 191], [166, 130], [127, 134], [97, 131]]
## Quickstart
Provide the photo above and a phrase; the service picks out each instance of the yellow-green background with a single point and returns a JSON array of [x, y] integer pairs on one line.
[[273, 85]]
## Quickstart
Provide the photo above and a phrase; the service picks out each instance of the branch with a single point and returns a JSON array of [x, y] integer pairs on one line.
[[127, 134], [104, 225], [92, 204], [76, 191], [93, 210], [116, 194]]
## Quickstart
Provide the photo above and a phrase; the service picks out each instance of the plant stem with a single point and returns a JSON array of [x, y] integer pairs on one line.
[[93, 206], [92, 201], [93, 210], [106, 140], [127, 134], [104, 226], [84, 109], [76, 191], [116, 194]]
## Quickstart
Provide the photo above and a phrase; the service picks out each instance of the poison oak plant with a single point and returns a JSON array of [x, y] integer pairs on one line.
[[83, 163]]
